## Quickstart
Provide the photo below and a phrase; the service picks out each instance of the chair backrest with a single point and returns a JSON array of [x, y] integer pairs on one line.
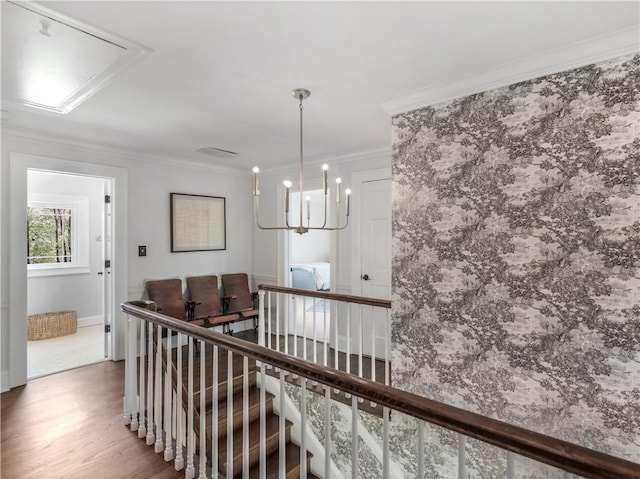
[[204, 290], [167, 294], [237, 284]]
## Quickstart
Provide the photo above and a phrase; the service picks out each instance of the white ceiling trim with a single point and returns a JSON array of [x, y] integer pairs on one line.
[[368, 155], [75, 145], [612, 45]]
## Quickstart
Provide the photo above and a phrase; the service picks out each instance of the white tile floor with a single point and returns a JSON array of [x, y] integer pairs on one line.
[[53, 355]]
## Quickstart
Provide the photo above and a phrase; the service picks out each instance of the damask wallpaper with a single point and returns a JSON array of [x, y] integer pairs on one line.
[[516, 257]]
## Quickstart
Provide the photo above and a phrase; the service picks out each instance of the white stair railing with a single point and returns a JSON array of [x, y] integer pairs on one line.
[[147, 408]]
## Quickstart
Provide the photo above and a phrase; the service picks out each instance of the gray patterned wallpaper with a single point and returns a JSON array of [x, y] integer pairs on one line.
[[516, 267]]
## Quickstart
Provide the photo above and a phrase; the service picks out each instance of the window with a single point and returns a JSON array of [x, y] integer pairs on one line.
[[57, 235], [48, 235]]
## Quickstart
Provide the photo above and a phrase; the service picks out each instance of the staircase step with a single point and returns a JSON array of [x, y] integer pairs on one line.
[[238, 402], [271, 443], [222, 388], [292, 466]]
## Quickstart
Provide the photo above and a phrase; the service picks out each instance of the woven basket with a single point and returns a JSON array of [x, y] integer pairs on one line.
[[51, 325]]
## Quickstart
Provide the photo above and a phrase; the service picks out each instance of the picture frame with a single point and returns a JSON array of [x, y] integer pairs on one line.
[[198, 223]]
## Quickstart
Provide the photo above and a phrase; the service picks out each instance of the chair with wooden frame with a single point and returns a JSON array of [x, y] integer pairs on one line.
[[204, 291], [241, 299], [167, 294]]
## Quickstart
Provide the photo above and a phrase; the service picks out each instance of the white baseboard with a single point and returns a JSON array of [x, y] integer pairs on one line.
[[4, 381], [89, 321]]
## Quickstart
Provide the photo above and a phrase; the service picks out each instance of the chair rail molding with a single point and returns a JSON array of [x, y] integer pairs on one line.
[[604, 47]]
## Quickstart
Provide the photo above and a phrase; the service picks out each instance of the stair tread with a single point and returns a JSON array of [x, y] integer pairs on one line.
[[292, 464], [238, 404], [272, 422]]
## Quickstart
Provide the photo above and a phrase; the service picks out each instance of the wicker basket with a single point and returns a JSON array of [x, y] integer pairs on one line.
[[51, 325]]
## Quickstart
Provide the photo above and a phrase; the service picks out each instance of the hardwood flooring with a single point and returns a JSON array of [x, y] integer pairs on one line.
[[69, 425]]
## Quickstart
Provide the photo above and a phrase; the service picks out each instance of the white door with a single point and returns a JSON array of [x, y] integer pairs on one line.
[[375, 234], [375, 264]]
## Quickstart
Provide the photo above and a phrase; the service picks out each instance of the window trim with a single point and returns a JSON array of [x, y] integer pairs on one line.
[[79, 206]]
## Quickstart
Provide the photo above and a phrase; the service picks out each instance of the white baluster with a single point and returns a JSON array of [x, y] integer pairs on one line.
[[360, 339], [286, 326], [354, 437], [387, 347], [157, 412], [336, 350], [133, 375], [214, 419], [150, 431], [168, 401], [373, 342], [462, 468], [277, 320], [263, 425], [348, 358], [327, 432], [281, 429], [420, 449], [295, 326], [128, 415], [142, 427], [245, 418], [325, 336], [203, 414], [385, 442], [303, 427], [511, 467], [229, 414], [190, 470], [179, 462], [304, 327], [269, 325], [315, 349], [261, 328]]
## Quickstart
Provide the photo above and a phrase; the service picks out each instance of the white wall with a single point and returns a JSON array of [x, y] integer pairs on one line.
[[267, 263], [79, 292], [149, 183]]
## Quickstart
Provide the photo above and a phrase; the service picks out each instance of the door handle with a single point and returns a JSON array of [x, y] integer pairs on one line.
[[365, 277], [99, 273]]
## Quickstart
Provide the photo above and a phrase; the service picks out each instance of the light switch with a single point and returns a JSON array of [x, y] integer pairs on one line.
[[142, 250]]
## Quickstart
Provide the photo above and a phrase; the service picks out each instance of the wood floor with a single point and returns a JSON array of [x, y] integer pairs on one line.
[[69, 425]]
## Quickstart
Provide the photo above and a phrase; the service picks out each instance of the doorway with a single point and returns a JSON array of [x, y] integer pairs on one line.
[[68, 241], [117, 281]]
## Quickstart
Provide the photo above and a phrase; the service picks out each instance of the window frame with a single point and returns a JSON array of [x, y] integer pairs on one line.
[[79, 206]]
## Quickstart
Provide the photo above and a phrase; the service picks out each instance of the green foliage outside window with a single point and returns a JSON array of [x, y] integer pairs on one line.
[[48, 235]]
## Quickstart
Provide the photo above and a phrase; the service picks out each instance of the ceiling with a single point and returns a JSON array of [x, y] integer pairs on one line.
[[219, 74]]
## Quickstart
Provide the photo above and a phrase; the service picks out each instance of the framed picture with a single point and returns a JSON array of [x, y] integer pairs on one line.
[[198, 223]]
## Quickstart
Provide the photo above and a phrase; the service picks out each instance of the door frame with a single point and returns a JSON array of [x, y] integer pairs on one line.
[[357, 179], [20, 163]]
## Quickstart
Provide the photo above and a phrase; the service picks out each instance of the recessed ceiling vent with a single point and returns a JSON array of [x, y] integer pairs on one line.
[[217, 152], [54, 62]]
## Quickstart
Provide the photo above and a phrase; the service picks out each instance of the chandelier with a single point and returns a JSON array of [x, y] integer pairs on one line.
[[302, 94]]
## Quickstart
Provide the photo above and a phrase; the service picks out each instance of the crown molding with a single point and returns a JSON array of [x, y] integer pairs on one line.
[[40, 139], [367, 155], [594, 50]]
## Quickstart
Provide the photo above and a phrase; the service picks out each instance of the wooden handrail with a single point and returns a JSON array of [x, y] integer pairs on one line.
[[542, 448], [347, 298]]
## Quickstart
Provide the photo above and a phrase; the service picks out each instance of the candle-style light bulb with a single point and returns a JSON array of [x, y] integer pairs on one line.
[[308, 198], [338, 181], [256, 191], [325, 185], [348, 193], [287, 185]]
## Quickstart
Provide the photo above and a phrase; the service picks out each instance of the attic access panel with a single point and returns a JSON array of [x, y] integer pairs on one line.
[[54, 62]]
